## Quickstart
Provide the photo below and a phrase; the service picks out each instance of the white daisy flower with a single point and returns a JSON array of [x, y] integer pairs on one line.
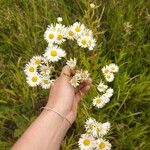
[[75, 81], [84, 75], [46, 83], [100, 101], [60, 38], [59, 19], [54, 53], [87, 32], [30, 68], [103, 144], [90, 121], [91, 43], [106, 70], [109, 77], [33, 80], [50, 34], [36, 60], [70, 33], [78, 28], [92, 5], [83, 41], [106, 127], [60, 33], [71, 63], [102, 87], [113, 68], [78, 75], [109, 92], [86, 142], [45, 70], [89, 124], [100, 129], [59, 27], [105, 97]]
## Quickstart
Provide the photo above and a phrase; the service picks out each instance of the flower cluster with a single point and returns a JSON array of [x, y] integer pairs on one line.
[[79, 77], [100, 100], [105, 92], [109, 70], [94, 136], [55, 35], [38, 72]]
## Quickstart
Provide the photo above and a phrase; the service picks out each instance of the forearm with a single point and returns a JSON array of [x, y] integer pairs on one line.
[[45, 133]]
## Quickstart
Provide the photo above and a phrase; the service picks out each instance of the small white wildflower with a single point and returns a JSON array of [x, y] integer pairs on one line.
[[102, 144], [59, 19], [71, 63], [109, 77], [102, 87], [100, 101], [78, 29], [70, 33], [91, 43], [45, 70], [54, 53], [109, 93], [89, 124], [30, 68], [50, 34], [83, 41], [74, 81], [113, 68], [36, 60], [101, 129], [86, 142], [33, 80], [46, 83], [105, 70], [84, 75]]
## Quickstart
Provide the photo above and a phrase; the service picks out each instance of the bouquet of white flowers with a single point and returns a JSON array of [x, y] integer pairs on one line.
[[39, 71]]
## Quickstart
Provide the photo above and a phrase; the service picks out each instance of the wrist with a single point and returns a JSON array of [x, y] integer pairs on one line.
[[65, 121], [58, 108]]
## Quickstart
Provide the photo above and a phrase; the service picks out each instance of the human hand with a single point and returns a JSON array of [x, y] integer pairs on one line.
[[63, 97]]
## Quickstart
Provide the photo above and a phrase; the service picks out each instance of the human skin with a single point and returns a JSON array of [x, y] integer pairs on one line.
[[49, 129]]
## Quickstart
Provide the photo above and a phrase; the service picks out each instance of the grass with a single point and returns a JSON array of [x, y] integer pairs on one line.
[[22, 24]]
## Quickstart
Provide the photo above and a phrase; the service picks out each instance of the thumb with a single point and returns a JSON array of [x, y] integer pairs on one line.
[[66, 72]]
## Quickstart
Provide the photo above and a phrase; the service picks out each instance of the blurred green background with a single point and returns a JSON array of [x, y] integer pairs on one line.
[[122, 31]]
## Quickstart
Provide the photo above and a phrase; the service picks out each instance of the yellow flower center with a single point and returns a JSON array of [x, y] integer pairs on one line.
[[98, 101], [86, 142], [38, 61], [108, 76], [34, 79], [78, 29], [53, 53], [70, 33], [83, 42], [46, 81], [59, 37], [31, 69], [51, 35], [106, 71], [102, 145], [113, 68]]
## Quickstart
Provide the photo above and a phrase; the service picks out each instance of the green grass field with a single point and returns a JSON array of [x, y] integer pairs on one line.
[[122, 31]]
